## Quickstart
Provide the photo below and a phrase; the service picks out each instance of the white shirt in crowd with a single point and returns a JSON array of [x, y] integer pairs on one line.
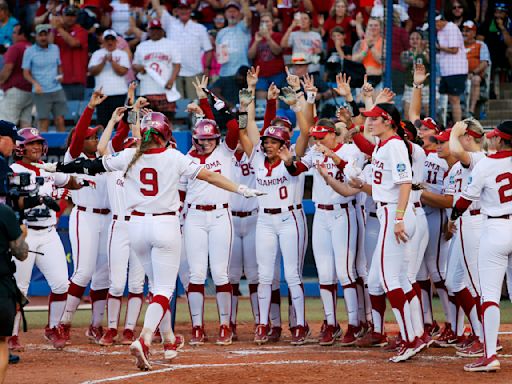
[[160, 56], [112, 83], [120, 17], [452, 64], [191, 41]]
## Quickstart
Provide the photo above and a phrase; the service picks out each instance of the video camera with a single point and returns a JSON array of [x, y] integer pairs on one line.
[[21, 184]]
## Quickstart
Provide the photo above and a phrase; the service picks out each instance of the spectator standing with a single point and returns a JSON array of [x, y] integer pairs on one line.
[[72, 41], [497, 32], [337, 55], [7, 23], [16, 105], [108, 65], [46, 12], [457, 12], [120, 16], [416, 54], [191, 41], [232, 42], [369, 52], [163, 59], [400, 44], [42, 68], [479, 60], [338, 17], [214, 64], [453, 64], [265, 51], [304, 41]]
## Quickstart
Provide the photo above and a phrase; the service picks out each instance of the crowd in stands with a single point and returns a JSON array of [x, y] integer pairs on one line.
[[53, 52]]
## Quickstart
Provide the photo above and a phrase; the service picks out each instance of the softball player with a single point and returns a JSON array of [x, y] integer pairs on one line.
[[153, 201], [491, 182], [120, 254], [208, 228], [88, 229], [42, 238]]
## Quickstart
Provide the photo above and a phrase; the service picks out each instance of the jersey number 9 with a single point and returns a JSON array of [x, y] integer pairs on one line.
[[149, 177]]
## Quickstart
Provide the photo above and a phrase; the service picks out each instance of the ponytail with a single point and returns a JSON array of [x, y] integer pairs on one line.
[[150, 136], [401, 132]]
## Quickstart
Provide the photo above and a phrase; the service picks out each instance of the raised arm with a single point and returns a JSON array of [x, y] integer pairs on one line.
[[246, 97], [271, 108], [420, 76], [456, 149], [252, 129], [200, 85], [117, 115]]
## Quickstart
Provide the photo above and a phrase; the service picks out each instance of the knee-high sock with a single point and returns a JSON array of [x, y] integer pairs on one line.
[[234, 302], [166, 328], [445, 302], [264, 296], [417, 290], [75, 293], [426, 301], [351, 303], [363, 298], [467, 302], [56, 305], [196, 303], [402, 312], [491, 325], [452, 311], [416, 312], [297, 294], [275, 308], [113, 310], [368, 304], [99, 303], [154, 315], [292, 316], [133, 310], [224, 294], [378, 310], [17, 322], [253, 295], [328, 295]]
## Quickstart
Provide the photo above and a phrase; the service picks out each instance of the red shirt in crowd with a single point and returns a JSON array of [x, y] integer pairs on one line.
[[400, 44], [269, 63], [322, 6], [74, 60], [330, 23], [14, 56]]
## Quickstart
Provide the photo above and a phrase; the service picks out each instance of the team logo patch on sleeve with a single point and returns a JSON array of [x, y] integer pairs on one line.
[[400, 167]]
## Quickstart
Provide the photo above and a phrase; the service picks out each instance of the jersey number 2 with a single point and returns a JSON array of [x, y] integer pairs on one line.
[[149, 177], [504, 198]]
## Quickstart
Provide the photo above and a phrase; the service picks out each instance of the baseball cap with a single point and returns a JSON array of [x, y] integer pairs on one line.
[[71, 10], [109, 32], [234, 4], [430, 123], [469, 24], [501, 7], [320, 131], [43, 28], [91, 131], [9, 129], [503, 130], [183, 4], [300, 58], [377, 112], [442, 137], [155, 24]]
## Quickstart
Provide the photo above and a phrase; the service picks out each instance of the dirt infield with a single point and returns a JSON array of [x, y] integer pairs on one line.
[[242, 362]]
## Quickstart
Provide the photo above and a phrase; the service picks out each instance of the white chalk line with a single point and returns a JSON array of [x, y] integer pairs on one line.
[[223, 365]]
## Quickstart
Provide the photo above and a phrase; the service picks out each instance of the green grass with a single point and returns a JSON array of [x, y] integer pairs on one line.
[[314, 312]]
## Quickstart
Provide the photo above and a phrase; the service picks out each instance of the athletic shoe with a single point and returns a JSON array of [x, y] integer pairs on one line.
[[141, 352], [14, 344], [405, 353], [157, 337], [338, 332], [233, 332], [372, 339], [58, 337], [108, 338], [322, 330], [427, 339], [394, 344], [274, 335], [350, 337], [171, 349], [66, 332], [128, 337], [299, 335], [499, 347], [363, 329], [225, 335], [197, 336], [180, 342], [476, 349], [205, 335], [419, 345], [466, 342], [484, 364], [447, 338], [307, 331], [327, 336], [94, 333], [261, 334], [433, 329]]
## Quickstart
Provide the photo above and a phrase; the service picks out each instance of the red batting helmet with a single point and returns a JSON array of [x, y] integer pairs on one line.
[[205, 129], [278, 133], [158, 122], [31, 135]]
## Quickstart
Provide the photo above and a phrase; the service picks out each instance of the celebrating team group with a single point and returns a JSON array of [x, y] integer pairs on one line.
[[399, 207]]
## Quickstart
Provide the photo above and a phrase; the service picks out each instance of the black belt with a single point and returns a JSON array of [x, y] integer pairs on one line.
[[418, 204], [507, 217], [125, 218], [243, 213], [276, 211], [38, 227], [208, 208], [101, 211], [137, 213], [373, 214], [330, 207]]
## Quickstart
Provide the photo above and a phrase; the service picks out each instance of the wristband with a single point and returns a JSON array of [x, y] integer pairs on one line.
[[243, 118], [418, 86], [400, 210], [310, 97], [398, 221]]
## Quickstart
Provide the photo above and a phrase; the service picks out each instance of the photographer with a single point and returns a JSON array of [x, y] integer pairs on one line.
[[12, 243]]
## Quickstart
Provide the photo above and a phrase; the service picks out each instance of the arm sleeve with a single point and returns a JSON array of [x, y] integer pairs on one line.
[[27, 58], [121, 134], [270, 113], [77, 142], [232, 134], [207, 109], [118, 161], [95, 59], [187, 167], [400, 164], [364, 145], [484, 53], [124, 60], [137, 56]]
